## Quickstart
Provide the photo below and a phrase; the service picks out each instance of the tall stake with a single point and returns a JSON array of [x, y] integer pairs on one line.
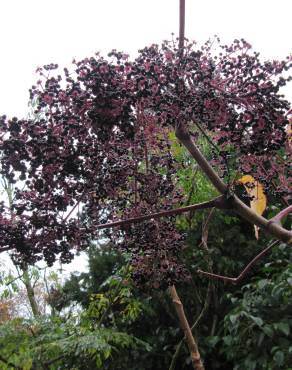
[[181, 24]]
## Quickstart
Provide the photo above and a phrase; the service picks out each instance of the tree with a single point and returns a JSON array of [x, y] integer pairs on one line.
[[98, 155], [22, 269]]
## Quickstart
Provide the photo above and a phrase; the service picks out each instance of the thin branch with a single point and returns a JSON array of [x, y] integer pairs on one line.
[[4, 249], [50, 362], [206, 136], [245, 271], [73, 208], [279, 216], [176, 353], [274, 185], [218, 202], [205, 229], [13, 280]]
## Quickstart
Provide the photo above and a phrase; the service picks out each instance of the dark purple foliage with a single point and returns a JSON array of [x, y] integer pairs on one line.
[[98, 149]]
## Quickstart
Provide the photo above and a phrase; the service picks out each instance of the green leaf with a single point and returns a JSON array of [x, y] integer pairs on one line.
[[284, 328], [28, 364], [257, 320], [98, 362], [268, 330], [261, 338], [212, 341], [279, 358], [262, 283], [228, 340], [250, 365], [107, 353], [233, 318]]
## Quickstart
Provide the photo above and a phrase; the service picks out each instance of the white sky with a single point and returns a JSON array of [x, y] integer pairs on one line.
[[38, 32]]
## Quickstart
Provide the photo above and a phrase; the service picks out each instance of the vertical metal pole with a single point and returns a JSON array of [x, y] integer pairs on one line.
[[181, 23]]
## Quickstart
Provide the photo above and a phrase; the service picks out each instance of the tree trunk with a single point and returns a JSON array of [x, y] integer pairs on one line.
[[30, 292], [8, 187], [191, 342]]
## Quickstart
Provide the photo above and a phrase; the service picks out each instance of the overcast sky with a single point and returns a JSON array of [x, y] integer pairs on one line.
[[38, 32]]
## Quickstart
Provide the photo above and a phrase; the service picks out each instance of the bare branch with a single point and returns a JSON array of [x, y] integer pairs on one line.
[[277, 219], [268, 226], [245, 271], [218, 202], [208, 295], [191, 342], [184, 137], [235, 203], [4, 249], [73, 208], [181, 342]]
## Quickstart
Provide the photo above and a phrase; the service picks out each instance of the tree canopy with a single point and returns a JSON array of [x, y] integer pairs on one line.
[[98, 147], [100, 157]]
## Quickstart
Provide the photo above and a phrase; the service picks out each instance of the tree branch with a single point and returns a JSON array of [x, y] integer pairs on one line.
[[285, 212], [184, 137], [268, 226], [4, 249], [218, 202], [245, 271], [236, 204], [191, 342], [207, 300]]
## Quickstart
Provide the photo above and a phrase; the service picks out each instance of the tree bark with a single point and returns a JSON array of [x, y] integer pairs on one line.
[[8, 187], [30, 292], [191, 342], [269, 226]]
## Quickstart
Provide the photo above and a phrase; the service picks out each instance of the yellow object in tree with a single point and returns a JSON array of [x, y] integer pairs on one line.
[[255, 190]]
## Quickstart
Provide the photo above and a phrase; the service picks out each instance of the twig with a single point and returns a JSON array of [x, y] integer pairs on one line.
[[274, 185], [4, 249], [245, 271], [73, 208], [176, 353]]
